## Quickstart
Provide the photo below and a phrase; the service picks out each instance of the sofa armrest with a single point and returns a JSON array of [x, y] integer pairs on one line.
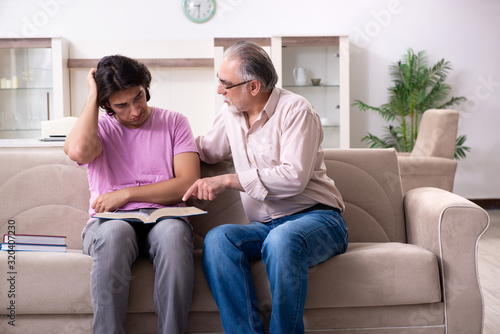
[[450, 226]]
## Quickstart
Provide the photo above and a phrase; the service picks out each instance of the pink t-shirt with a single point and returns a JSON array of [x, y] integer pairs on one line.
[[142, 156]]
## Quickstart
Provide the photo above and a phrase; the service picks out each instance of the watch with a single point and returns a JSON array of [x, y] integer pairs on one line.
[[199, 11]]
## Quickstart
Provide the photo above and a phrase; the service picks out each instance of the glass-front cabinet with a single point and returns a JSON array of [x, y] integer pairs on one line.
[[34, 85], [317, 67]]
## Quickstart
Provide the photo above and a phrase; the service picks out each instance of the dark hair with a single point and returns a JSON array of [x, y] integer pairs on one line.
[[255, 63], [117, 73]]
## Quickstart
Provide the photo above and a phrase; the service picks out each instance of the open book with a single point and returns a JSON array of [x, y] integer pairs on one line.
[[154, 217]]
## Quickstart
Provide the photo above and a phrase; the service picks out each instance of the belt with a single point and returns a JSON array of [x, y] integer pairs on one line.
[[318, 206]]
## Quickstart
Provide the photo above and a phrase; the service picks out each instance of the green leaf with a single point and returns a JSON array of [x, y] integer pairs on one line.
[[460, 149]]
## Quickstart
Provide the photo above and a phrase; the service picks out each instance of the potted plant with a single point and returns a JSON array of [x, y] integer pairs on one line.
[[417, 88]]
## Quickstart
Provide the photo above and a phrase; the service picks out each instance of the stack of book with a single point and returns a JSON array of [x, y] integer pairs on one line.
[[33, 242]]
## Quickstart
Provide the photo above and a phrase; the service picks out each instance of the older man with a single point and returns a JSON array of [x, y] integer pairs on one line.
[[294, 208]]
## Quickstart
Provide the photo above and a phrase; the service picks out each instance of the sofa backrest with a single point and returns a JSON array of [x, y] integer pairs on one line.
[[437, 135], [225, 209], [368, 180], [370, 184], [43, 192]]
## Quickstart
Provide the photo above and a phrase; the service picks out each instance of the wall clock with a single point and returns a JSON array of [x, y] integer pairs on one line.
[[199, 11]]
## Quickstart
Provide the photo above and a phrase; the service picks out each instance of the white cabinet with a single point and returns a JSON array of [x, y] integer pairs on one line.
[[325, 58], [34, 85]]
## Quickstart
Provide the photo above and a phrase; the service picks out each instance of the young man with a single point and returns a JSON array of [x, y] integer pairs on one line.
[[295, 210], [141, 158]]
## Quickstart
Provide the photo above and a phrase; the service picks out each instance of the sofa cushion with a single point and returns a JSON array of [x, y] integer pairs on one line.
[[368, 274], [375, 274], [49, 283], [378, 274]]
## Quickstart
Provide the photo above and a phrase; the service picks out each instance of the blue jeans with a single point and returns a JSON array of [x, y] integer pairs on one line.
[[114, 246], [288, 246]]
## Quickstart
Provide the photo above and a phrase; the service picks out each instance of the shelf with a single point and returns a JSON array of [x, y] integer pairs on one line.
[[227, 42], [29, 142], [310, 41], [19, 130], [17, 43], [25, 89], [149, 62], [311, 86]]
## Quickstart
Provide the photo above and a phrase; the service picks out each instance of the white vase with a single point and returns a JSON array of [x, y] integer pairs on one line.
[[299, 74]]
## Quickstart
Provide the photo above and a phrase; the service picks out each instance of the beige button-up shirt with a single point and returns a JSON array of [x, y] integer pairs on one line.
[[279, 159]]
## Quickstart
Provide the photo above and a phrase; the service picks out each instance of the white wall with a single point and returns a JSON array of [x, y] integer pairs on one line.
[[461, 31], [190, 91]]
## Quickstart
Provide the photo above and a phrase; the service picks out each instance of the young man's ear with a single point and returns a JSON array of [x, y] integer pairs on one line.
[[108, 108]]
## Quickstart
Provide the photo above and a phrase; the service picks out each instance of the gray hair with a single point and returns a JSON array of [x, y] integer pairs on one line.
[[255, 64]]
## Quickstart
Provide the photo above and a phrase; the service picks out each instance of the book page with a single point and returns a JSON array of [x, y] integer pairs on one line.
[[172, 212], [168, 212], [136, 216]]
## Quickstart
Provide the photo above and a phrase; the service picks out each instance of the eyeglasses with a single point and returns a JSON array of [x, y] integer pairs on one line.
[[232, 86]]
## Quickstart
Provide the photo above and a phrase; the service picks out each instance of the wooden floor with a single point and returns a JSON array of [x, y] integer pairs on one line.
[[489, 273]]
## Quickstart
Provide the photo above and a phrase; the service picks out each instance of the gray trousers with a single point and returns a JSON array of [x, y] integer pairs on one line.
[[114, 246]]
